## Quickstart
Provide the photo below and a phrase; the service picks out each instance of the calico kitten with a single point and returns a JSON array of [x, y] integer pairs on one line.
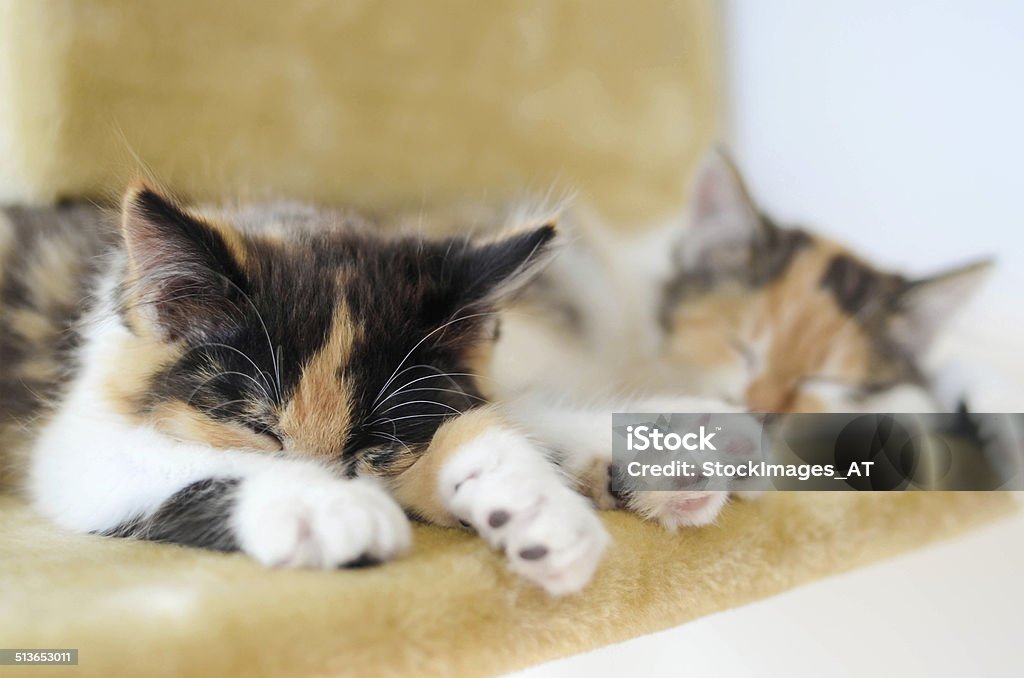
[[782, 319], [733, 310], [282, 381]]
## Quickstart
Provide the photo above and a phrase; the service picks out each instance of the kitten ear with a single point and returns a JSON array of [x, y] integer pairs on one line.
[[183, 273], [492, 272], [924, 306], [721, 213]]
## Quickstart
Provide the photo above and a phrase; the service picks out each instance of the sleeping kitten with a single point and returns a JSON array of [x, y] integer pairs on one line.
[[734, 310], [281, 381], [785, 320]]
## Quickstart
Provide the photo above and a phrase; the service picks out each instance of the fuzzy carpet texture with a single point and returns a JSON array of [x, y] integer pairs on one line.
[[450, 608]]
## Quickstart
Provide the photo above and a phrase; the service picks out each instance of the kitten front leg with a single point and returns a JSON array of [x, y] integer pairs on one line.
[[583, 438], [114, 479], [300, 516], [481, 472]]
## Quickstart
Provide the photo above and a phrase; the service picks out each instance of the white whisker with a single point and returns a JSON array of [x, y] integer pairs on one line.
[[422, 402], [239, 352], [388, 436], [440, 374], [228, 373], [420, 343], [266, 333], [392, 420]]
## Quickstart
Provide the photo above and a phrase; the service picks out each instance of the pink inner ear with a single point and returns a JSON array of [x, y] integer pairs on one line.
[[719, 201], [708, 199], [716, 192]]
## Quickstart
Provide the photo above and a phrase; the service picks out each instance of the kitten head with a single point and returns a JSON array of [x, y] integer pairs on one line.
[[784, 320], [312, 334]]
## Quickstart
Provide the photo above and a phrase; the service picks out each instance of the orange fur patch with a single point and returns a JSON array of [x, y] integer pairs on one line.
[[317, 420], [125, 388], [593, 482], [417, 488], [796, 327], [179, 421], [810, 336]]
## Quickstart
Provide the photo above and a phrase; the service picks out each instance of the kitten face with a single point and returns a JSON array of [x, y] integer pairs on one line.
[[782, 320], [316, 337]]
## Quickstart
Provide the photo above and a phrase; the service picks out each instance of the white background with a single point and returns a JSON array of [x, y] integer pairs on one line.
[[897, 126]]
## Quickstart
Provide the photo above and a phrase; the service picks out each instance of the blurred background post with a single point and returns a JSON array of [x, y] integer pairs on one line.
[[375, 104]]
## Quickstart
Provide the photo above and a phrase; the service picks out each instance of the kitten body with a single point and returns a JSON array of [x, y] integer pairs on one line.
[[730, 308], [282, 381]]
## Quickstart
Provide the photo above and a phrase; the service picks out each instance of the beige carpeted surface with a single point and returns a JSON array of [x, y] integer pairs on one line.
[[448, 609]]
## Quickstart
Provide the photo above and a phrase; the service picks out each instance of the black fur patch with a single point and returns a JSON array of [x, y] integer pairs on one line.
[[773, 252], [38, 309], [767, 257], [198, 515], [422, 307], [871, 298], [182, 269], [855, 285]]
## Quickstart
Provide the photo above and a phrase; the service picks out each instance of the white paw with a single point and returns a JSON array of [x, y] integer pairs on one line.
[[517, 500], [679, 508], [306, 518]]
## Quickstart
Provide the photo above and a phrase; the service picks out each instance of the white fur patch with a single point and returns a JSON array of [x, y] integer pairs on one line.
[[679, 509], [585, 436], [301, 516]]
